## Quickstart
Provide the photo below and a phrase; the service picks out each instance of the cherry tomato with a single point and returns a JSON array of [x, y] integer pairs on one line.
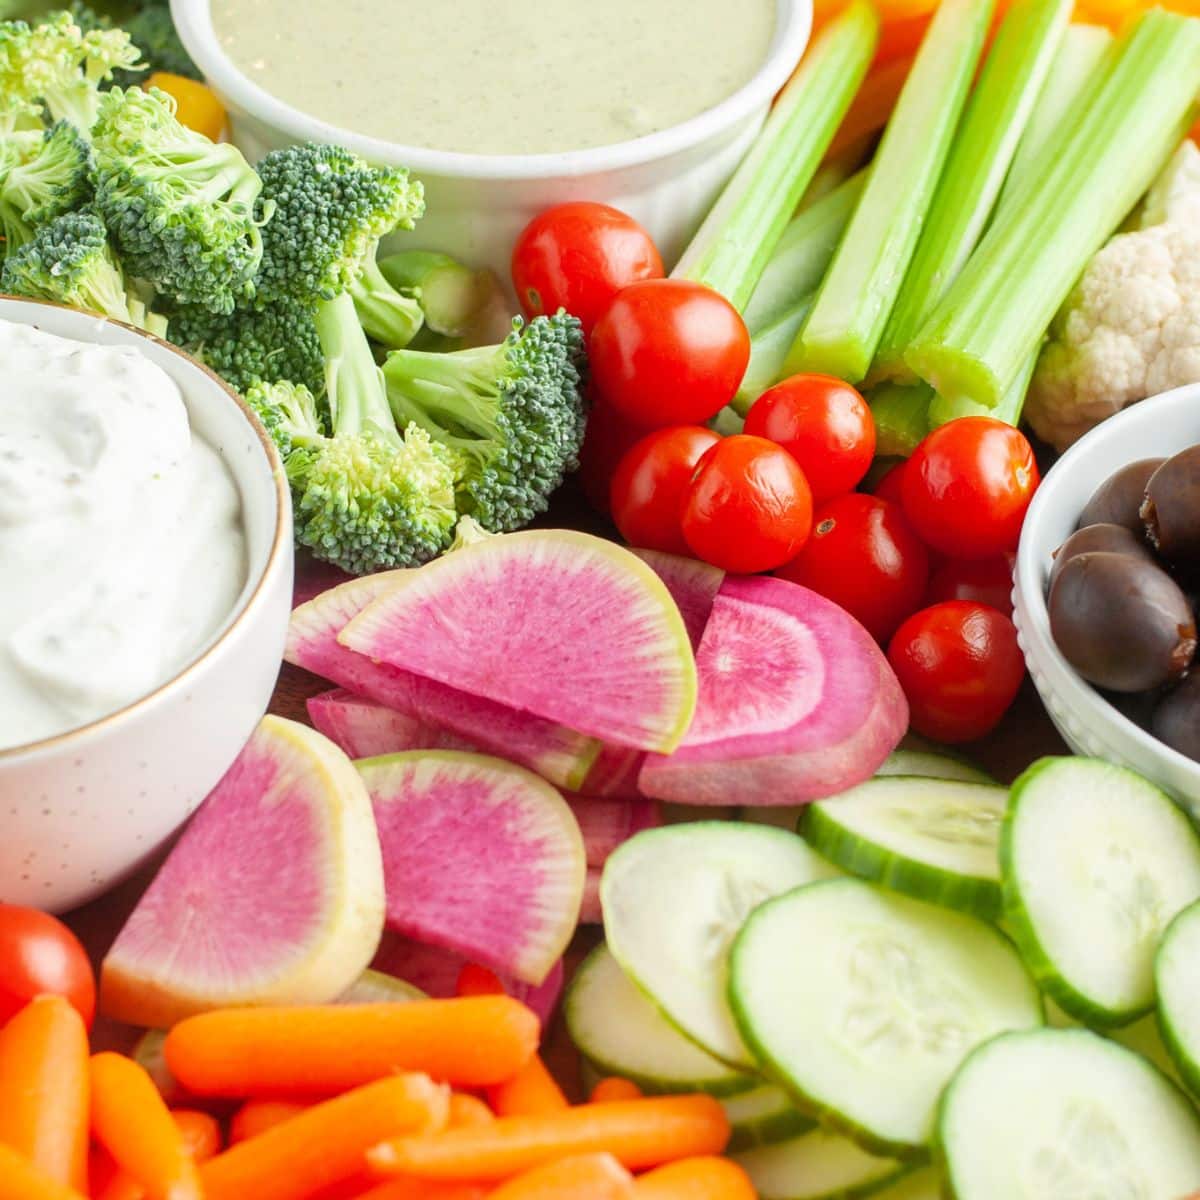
[[984, 580], [39, 954], [651, 482], [667, 352], [578, 256], [824, 424], [960, 667], [607, 439], [888, 486], [967, 486], [864, 556], [748, 508]]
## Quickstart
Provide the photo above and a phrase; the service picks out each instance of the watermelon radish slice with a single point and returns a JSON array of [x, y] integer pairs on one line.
[[552, 622], [435, 972], [693, 586], [606, 823], [365, 728], [273, 895], [796, 702], [614, 773], [374, 987], [479, 856], [560, 755]]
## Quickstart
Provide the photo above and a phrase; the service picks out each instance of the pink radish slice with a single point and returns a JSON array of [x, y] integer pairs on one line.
[[590, 911], [559, 754], [273, 895], [606, 824], [366, 729], [435, 971], [479, 856], [614, 773], [552, 622], [693, 586], [796, 702]]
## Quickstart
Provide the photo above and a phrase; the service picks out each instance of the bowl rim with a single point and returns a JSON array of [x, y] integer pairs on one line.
[[193, 19], [281, 546], [1029, 587]]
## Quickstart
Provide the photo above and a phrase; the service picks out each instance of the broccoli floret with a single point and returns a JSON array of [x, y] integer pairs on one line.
[[68, 260], [53, 180], [153, 33], [254, 343], [289, 413], [515, 413], [181, 208], [330, 210]]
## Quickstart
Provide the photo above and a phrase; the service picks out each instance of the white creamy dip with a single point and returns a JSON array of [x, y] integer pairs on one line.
[[121, 544], [498, 76]]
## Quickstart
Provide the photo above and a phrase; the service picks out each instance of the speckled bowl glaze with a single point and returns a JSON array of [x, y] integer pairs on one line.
[[81, 810], [476, 204], [1089, 724]]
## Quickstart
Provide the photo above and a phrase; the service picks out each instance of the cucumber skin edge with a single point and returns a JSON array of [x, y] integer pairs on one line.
[[1185, 1064], [769, 1131]]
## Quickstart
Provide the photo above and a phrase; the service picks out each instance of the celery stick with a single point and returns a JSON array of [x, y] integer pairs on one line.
[[983, 150], [768, 350], [733, 245], [1079, 189], [943, 411], [901, 414], [856, 298]]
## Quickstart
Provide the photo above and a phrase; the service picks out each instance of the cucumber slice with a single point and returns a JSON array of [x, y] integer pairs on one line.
[[1096, 861], [864, 1003], [816, 1166], [928, 765], [1064, 1113], [763, 1117], [935, 839], [1142, 1037], [674, 899], [621, 1032], [1177, 974], [925, 1184]]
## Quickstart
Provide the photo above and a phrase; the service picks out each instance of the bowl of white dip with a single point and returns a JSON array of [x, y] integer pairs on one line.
[[146, 555], [502, 107]]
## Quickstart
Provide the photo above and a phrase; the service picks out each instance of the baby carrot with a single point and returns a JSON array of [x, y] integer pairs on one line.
[[425, 1189], [327, 1143], [466, 1109], [44, 1089], [468, 1042], [696, 1179], [131, 1121], [608, 1090], [638, 1133], [530, 1092], [21, 1180], [257, 1116], [583, 1177], [201, 1135]]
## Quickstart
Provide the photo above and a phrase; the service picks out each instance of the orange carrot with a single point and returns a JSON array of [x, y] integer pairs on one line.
[[696, 1179], [327, 1143], [531, 1092], [638, 1133], [470, 1042], [257, 1116], [425, 1189], [583, 1177], [608, 1090], [201, 1132], [21, 1180], [201, 1135], [44, 1089], [474, 980], [131, 1121], [466, 1109]]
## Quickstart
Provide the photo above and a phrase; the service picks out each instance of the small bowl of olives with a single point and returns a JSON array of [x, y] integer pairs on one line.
[[1107, 586]]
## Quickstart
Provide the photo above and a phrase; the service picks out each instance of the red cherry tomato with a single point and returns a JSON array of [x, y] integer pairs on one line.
[[984, 580], [864, 556], [578, 256], [960, 667], [651, 482], [667, 352], [748, 508], [607, 439], [889, 485], [39, 954], [967, 486], [824, 424]]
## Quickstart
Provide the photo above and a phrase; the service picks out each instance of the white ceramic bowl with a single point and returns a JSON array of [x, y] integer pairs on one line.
[[81, 810], [1155, 428], [477, 204]]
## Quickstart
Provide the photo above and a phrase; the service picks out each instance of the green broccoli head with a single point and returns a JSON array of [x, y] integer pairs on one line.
[[52, 180], [153, 32], [181, 208], [514, 412]]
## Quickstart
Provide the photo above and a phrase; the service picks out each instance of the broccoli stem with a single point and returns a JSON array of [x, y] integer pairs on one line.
[[390, 318], [451, 395], [354, 384], [453, 297]]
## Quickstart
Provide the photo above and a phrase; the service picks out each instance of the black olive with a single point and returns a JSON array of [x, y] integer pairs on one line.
[[1115, 539], [1121, 621], [1177, 719], [1118, 500], [1171, 509]]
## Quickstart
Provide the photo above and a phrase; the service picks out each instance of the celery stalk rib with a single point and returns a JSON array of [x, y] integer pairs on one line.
[[768, 350], [901, 415], [856, 299], [994, 316], [736, 239], [979, 159]]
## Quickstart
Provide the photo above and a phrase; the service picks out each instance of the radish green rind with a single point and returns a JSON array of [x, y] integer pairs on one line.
[[1061, 1112], [1096, 862], [763, 1117], [1177, 974], [620, 1031], [674, 899], [863, 1003], [817, 1165], [933, 839]]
